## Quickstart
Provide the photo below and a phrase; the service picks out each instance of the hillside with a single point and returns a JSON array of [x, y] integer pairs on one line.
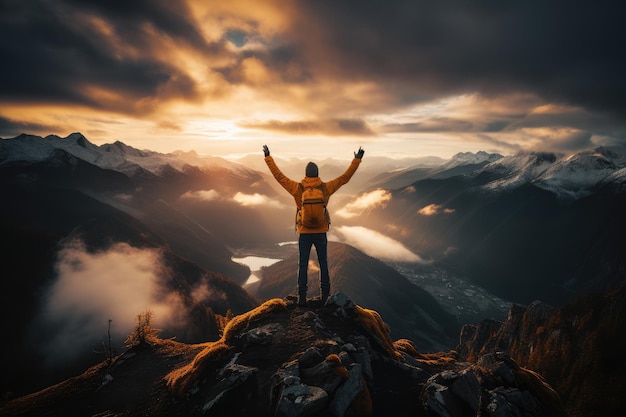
[[281, 359], [45, 231], [577, 348], [410, 311]]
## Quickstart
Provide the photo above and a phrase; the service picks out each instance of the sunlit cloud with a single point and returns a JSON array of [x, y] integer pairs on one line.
[[375, 244], [434, 209], [203, 195], [256, 199], [311, 71], [94, 287], [367, 201]]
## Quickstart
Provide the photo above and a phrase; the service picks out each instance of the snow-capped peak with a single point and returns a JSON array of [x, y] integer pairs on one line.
[[470, 158], [568, 176], [120, 148], [116, 156], [576, 175]]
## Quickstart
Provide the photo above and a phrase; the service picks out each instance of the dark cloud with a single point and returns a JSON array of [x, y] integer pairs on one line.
[[171, 17], [437, 124], [11, 128], [560, 50], [61, 52], [330, 127], [113, 55]]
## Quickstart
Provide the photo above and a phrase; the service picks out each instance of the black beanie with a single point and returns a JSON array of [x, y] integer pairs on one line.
[[311, 170]]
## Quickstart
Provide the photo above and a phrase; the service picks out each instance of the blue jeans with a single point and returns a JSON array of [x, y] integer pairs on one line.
[[305, 241]]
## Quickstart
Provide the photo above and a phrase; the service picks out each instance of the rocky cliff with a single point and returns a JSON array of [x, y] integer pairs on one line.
[[577, 348], [280, 359]]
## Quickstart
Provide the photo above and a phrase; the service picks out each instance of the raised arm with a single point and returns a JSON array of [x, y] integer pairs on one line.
[[288, 184], [334, 185]]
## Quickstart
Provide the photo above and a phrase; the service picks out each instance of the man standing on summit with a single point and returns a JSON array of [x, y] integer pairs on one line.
[[312, 220]]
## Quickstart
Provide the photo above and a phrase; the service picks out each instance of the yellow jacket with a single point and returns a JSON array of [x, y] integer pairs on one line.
[[293, 187]]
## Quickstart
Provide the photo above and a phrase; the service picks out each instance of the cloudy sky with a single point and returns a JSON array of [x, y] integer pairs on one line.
[[405, 77]]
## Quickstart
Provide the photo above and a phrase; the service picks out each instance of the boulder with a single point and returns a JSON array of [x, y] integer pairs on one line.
[[299, 400], [346, 394], [262, 335], [233, 387]]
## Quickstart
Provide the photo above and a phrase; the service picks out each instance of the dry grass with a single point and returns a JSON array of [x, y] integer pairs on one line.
[[241, 322], [371, 320], [179, 380], [406, 346]]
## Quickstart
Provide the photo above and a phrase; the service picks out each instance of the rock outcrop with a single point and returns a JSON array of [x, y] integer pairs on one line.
[[339, 360], [281, 359], [577, 348]]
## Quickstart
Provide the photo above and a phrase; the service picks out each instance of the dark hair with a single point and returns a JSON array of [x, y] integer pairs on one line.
[[311, 170]]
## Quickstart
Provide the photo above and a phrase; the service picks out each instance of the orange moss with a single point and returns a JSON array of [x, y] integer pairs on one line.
[[333, 358], [406, 346], [242, 321], [179, 380], [438, 358], [371, 320], [335, 362]]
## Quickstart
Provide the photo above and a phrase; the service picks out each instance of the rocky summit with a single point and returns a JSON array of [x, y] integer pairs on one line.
[[280, 359]]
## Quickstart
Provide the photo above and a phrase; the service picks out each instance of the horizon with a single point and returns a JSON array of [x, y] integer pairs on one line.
[[313, 79], [238, 156]]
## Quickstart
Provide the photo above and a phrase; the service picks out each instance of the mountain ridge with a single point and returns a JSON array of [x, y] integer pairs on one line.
[[281, 359], [505, 230]]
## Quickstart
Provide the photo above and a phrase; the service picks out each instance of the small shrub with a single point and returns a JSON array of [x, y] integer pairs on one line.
[[143, 333]]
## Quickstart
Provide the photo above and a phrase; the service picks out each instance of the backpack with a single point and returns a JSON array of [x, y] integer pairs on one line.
[[313, 213]]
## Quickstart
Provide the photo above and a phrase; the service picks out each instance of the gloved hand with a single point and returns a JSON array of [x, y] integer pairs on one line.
[[359, 153], [266, 150]]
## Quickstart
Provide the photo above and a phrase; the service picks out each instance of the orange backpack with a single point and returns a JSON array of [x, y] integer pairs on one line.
[[313, 213]]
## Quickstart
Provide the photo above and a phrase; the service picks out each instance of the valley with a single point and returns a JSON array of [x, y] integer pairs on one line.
[[467, 301]]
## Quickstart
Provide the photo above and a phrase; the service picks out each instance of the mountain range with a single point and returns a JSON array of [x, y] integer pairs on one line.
[[526, 227], [136, 226], [73, 204]]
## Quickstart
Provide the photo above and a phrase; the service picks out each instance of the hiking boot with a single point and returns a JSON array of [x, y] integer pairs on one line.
[[302, 300]]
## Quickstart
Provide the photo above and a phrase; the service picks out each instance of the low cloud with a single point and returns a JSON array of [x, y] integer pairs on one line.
[[93, 287], [203, 195], [367, 201], [125, 197], [202, 293], [376, 244], [434, 209], [256, 199]]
